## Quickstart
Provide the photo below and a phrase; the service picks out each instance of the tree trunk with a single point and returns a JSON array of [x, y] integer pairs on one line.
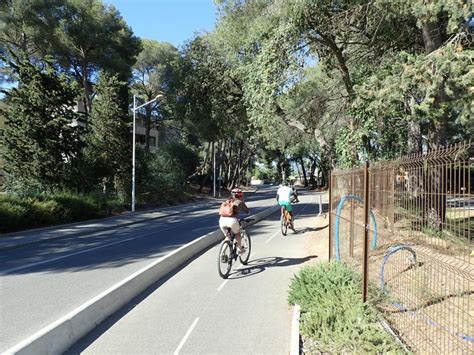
[[435, 199], [432, 36], [88, 91], [433, 39], [312, 180], [204, 169], [414, 138], [304, 172]]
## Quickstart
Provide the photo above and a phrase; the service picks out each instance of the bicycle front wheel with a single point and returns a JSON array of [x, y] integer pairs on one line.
[[284, 226], [224, 261], [246, 247]]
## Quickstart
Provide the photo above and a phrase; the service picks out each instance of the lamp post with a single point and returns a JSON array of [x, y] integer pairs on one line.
[[135, 108]]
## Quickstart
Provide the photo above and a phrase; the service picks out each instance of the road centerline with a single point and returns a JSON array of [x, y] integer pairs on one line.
[[82, 251]]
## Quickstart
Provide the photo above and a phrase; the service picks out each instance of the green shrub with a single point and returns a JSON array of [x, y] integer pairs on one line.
[[333, 314], [76, 207], [23, 212], [44, 212], [11, 214]]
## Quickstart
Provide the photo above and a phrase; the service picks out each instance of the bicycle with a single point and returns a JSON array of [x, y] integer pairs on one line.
[[228, 251], [286, 221]]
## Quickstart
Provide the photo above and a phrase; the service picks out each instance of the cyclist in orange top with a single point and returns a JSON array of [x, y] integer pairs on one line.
[[231, 222]]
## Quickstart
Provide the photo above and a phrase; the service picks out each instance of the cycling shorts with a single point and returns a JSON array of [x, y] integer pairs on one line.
[[231, 223], [288, 205]]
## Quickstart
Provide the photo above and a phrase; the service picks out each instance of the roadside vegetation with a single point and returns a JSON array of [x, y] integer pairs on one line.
[[23, 212], [278, 88], [333, 317]]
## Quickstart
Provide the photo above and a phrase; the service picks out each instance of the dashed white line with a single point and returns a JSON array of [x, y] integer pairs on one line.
[[273, 236], [276, 233], [221, 286], [186, 336], [241, 266]]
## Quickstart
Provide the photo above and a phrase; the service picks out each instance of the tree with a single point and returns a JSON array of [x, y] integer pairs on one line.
[[155, 72], [83, 37], [352, 44], [107, 140], [212, 110], [40, 140]]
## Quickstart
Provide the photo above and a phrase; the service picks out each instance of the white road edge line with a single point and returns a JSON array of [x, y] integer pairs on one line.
[[221, 286], [186, 336]]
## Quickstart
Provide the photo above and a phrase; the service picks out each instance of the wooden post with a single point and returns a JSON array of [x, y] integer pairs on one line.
[[213, 169], [366, 232], [351, 236], [329, 214]]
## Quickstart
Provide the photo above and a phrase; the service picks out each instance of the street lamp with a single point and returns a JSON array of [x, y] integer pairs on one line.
[[135, 108]]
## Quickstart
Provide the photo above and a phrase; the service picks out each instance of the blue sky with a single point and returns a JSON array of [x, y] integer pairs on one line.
[[173, 21]]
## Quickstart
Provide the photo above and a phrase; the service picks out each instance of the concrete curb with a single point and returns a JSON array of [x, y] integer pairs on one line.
[[295, 331], [140, 219], [59, 336]]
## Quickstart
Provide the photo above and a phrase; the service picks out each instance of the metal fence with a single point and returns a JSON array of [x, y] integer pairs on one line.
[[412, 243]]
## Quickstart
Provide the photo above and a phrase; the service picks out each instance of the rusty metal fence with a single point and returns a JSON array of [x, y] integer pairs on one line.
[[413, 243]]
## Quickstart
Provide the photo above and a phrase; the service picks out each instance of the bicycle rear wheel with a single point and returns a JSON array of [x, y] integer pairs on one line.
[[246, 247], [284, 226], [224, 260]]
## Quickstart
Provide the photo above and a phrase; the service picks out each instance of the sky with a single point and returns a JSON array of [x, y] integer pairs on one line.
[[173, 21]]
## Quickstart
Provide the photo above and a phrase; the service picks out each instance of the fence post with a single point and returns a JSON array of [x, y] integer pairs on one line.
[[329, 214], [351, 236], [366, 231]]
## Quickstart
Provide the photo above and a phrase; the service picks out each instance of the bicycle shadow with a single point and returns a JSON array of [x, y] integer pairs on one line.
[[256, 266], [310, 229]]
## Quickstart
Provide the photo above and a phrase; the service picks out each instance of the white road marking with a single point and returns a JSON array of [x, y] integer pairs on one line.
[[186, 336], [273, 236], [221, 286], [81, 252], [278, 231], [241, 266]]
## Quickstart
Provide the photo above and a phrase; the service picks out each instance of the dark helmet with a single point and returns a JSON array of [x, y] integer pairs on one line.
[[237, 193]]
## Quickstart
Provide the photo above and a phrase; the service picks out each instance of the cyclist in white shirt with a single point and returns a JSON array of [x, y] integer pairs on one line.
[[284, 198]]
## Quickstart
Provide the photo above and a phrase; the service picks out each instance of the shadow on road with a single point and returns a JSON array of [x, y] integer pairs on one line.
[[310, 229], [119, 247], [258, 265]]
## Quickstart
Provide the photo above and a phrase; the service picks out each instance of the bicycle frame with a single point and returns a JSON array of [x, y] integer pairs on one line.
[[230, 242]]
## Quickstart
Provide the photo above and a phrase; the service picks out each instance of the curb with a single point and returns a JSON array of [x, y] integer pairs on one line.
[[389, 330], [295, 331], [93, 230], [60, 335]]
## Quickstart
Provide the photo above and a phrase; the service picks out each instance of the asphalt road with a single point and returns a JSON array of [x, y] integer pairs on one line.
[[41, 283], [196, 312]]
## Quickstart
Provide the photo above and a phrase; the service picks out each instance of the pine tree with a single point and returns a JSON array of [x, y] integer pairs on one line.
[[108, 137], [39, 142]]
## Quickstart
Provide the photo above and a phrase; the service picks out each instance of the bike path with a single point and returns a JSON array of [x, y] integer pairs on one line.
[[41, 283], [197, 312]]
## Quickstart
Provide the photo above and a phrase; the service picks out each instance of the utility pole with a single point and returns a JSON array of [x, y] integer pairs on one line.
[[214, 169]]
